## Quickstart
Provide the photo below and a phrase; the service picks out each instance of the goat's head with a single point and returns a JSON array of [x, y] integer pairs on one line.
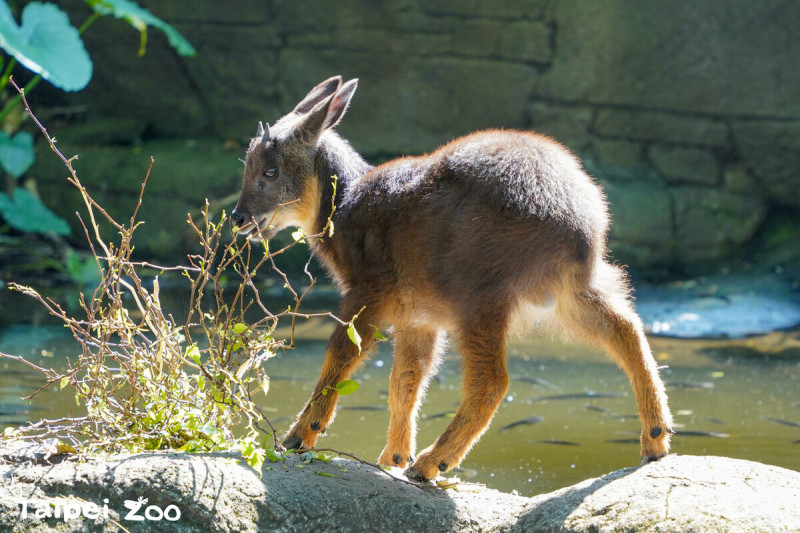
[[280, 185]]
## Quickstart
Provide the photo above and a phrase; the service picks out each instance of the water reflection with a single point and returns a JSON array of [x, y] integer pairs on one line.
[[569, 413]]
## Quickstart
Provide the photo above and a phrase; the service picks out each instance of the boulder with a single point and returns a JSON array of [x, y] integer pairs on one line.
[[699, 58], [641, 231], [215, 492], [772, 149], [713, 222], [659, 126], [681, 165], [678, 493]]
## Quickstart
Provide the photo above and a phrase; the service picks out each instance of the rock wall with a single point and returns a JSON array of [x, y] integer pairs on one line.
[[687, 112], [211, 492]]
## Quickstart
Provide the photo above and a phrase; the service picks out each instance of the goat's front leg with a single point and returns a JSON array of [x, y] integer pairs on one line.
[[416, 356], [342, 357]]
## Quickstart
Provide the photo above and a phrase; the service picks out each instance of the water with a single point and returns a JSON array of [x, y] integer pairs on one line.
[[728, 397]]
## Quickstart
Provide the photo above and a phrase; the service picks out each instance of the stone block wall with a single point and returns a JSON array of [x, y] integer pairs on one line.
[[687, 112]]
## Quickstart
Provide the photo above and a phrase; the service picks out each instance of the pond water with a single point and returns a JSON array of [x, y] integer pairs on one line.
[[734, 398]]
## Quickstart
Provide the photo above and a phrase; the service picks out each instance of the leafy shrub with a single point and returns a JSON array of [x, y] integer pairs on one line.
[[150, 383]]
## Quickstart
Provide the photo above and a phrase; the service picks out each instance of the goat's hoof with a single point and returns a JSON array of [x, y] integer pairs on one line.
[[413, 473], [651, 459], [293, 443], [398, 459]]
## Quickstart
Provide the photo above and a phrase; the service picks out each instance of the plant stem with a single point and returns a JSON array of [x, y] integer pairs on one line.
[[16, 99], [12, 62], [89, 22]]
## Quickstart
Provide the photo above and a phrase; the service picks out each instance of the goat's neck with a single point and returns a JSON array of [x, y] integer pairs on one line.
[[335, 157]]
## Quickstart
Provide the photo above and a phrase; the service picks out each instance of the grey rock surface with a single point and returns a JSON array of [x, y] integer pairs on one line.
[[677, 493], [213, 492]]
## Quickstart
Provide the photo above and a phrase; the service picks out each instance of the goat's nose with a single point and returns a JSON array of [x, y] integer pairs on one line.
[[237, 218]]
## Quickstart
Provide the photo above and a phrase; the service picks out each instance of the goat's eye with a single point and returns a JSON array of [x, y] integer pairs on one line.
[[271, 173]]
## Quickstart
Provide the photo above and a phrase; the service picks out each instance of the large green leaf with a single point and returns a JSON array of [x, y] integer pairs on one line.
[[47, 44], [140, 18], [16, 153], [26, 212], [347, 386]]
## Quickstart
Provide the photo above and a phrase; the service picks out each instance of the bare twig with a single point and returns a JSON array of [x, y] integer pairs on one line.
[[378, 467]]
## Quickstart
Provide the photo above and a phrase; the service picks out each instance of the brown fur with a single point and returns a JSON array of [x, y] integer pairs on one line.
[[483, 233]]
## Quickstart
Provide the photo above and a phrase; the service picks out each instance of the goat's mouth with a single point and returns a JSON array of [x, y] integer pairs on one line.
[[255, 229]]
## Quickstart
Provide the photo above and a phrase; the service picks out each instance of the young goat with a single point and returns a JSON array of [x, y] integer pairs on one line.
[[490, 230]]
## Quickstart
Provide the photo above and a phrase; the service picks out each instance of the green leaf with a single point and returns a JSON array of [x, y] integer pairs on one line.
[[380, 336], [16, 153], [65, 448], [140, 18], [274, 455], [299, 235], [347, 386], [47, 44], [307, 457], [253, 455], [26, 212], [354, 336], [325, 474], [193, 353], [239, 328]]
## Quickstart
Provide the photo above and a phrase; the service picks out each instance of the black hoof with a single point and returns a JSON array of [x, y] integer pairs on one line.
[[655, 432], [411, 473], [293, 443], [314, 426], [396, 458], [442, 466], [653, 459]]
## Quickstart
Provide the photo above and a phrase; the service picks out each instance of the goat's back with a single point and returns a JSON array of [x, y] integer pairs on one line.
[[494, 213]]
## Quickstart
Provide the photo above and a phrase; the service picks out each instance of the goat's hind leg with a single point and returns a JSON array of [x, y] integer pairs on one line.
[[603, 315], [416, 354]]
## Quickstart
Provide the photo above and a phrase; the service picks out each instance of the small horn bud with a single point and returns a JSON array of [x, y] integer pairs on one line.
[[267, 136], [260, 129]]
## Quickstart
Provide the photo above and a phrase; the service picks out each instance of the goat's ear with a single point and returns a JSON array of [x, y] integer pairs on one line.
[[318, 94], [339, 104], [327, 113]]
